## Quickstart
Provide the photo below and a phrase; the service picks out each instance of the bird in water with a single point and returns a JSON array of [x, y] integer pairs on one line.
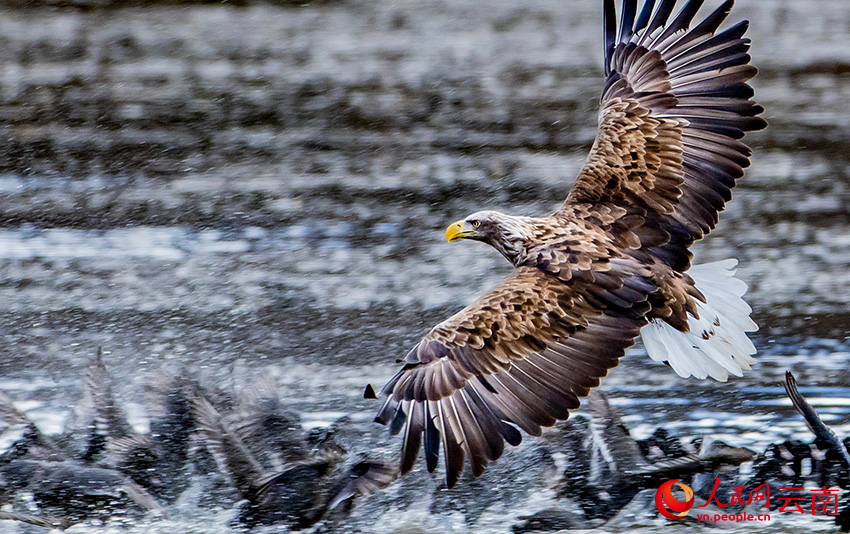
[[99, 434], [835, 467], [612, 263], [78, 475], [619, 469], [607, 471], [315, 480]]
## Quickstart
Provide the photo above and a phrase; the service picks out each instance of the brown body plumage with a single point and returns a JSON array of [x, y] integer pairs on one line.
[[611, 260]]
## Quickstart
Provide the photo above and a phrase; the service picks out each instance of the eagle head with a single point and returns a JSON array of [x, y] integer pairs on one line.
[[508, 234]]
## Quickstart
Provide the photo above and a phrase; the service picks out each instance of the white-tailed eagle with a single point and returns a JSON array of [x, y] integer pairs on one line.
[[611, 263]]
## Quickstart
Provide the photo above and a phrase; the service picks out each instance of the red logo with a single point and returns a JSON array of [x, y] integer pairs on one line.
[[668, 505]]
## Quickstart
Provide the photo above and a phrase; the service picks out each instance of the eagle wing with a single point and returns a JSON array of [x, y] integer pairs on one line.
[[522, 355], [674, 107]]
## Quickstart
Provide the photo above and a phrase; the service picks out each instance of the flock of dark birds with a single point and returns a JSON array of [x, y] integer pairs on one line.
[[247, 448], [250, 450]]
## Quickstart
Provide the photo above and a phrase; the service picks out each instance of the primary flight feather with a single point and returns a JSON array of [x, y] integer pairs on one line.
[[611, 263]]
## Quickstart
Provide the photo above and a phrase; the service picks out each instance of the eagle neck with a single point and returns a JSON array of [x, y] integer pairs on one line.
[[518, 236]]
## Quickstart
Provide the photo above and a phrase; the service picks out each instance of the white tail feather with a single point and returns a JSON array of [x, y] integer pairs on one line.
[[717, 344]]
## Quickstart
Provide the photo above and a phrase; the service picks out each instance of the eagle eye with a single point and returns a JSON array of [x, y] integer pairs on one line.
[[475, 223]]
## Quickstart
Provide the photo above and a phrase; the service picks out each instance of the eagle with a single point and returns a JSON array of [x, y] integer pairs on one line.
[[610, 264]]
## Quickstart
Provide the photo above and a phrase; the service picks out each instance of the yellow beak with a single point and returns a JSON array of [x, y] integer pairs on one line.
[[458, 230]]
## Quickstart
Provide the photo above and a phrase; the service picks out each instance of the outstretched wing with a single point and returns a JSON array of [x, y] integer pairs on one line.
[[611, 436], [675, 104], [822, 432], [231, 454], [521, 355], [364, 478]]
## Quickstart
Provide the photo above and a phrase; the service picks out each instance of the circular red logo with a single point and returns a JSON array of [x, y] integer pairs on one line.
[[668, 505]]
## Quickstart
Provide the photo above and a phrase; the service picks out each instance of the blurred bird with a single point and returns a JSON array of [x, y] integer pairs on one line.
[[274, 434], [837, 460], [48, 522], [835, 467], [611, 263], [33, 443], [74, 491], [620, 470], [99, 433], [304, 491], [159, 460], [607, 470], [97, 418]]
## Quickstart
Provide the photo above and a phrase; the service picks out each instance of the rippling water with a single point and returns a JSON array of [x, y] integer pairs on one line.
[[214, 188], [321, 354]]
